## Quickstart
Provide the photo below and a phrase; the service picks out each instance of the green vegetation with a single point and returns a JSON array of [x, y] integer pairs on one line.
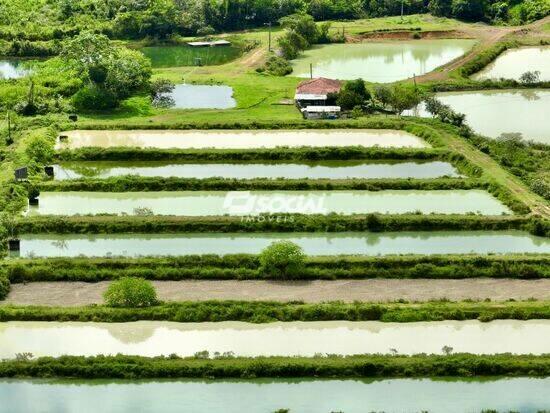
[[130, 292], [132, 367], [281, 261], [4, 286], [266, 312]]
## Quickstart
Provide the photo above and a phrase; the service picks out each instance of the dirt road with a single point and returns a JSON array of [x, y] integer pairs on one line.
[[376, 290]]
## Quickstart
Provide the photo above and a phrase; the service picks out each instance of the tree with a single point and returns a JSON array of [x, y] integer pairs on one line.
[[530, 77], [354, 93], [161, 93], [383, 93], [130, 292], [303, 24], [282, 259], [440, 7], [472, 10], [40, 149], [404, 97]]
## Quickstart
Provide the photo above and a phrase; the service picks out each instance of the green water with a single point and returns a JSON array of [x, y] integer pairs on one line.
[[176, 56], [240, 139], [525, 395], [203, 97], [243, 203], [514, 62], [239, 170], [154, 338], [347, 243], [381, 62], [494, 112]]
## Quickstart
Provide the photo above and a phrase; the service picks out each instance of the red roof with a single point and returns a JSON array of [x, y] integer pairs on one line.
[[319, 86]]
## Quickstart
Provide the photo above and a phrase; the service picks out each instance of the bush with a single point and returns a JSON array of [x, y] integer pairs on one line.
[[94, 98], [130, 292], [4, 286], [282, 259]]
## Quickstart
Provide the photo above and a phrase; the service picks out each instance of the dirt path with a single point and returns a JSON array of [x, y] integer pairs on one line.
[[376, 290]]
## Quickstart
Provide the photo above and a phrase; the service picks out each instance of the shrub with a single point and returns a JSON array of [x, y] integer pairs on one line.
[[130, 292], [94, 98], [4, 286], [282, 259]]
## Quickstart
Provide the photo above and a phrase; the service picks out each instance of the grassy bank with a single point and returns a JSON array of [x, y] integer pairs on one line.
[[266, 312], [282, 223], [131, 367], [247, 267]]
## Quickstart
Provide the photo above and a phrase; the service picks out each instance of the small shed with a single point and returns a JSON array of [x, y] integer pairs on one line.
[[321, 112], [316, 92]]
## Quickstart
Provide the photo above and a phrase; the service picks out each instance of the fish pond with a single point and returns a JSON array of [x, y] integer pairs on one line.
[[153, 338], [239, 139], [176, 56], [345, 243], [381, 62], [514, 62], [253, 203], [202, 97], [520, 394], [496, 112], [14, 69], [271, 170]]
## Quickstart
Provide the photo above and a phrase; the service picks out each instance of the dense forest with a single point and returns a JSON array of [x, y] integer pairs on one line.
[[39, 20]]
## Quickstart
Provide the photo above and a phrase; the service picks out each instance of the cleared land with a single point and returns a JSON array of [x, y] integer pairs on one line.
[[376, 290]]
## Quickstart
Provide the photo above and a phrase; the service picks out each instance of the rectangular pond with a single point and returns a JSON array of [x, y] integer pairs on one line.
[[496, 112], [153, 338], [346, 243], [264, 169], [176, 56], [381, 62], [253, 203], [202, 97], [239, 139], [520, 394], [514, 62]]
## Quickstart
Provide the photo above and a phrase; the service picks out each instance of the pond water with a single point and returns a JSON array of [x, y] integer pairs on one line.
[[12, 69], [245, 203], [153, 338], [240, 139], [273, 170], [346, 243], [525, 395], [494, 112], [203, 97], [176, 56], [381, 62], [514, 62]]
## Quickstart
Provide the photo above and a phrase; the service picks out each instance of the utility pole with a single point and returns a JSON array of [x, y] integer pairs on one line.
[[311, 70], [402, 1], [9, 141], [414, 79], [269, 25]]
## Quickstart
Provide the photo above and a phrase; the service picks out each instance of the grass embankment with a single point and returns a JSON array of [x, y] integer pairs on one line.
[[247, 267], [266, 312], [132, 367]]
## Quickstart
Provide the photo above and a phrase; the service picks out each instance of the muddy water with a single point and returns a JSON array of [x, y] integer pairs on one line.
[[352, 243], [311, 170], [514, 62], [203, 97], [150, 338], [234, 139], [243, 203], [381, 62]]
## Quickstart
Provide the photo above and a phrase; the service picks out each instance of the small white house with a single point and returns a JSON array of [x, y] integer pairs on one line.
[[321, 112]]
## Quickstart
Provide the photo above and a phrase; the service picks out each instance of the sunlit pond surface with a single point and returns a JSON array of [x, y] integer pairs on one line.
[[202, 97], [525, 395], [381, 62], [495, 112], [514, 62], [272, 170], [239, 139], [245, 203], [152, 338], [346, 243], [13, 69]]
